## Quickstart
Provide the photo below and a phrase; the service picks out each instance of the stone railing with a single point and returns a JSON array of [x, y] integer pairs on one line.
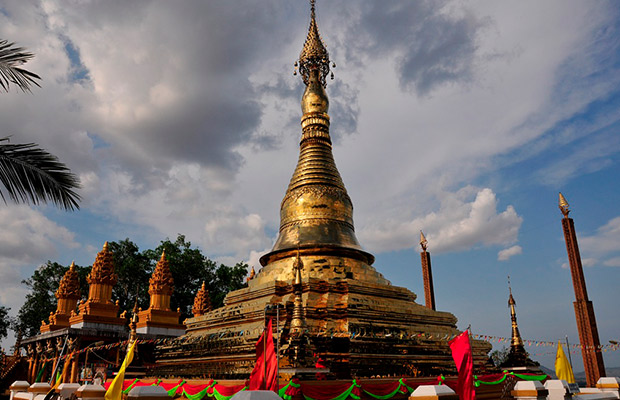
[[606, 389]]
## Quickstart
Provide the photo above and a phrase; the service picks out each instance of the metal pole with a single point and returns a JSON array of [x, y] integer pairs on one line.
[[62, 351], [265, 350], [569, 357], [277, 345]]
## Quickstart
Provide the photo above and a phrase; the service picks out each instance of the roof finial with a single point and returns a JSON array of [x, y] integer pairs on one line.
[[423, 241], [564, 206], [314, 55]]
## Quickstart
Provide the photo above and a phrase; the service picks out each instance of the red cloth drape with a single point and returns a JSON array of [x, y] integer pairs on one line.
[[461, 353], [264, 376], [331, 391]]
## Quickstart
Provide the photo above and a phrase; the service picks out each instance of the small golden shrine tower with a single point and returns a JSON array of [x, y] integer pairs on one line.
[[518, 359], [159, 319], [99, 311], [202, 302], [68, 294]]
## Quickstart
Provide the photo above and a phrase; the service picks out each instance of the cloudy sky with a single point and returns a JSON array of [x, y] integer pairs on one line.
[[463, 119]]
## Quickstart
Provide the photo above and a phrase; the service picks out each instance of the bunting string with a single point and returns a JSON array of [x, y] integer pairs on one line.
[[217, 337]]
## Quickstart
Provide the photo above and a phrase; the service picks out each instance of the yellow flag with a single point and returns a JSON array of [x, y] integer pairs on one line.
[[563, 369], [116, 388]]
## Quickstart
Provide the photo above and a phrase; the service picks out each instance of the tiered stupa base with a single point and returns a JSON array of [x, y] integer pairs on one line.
[[355, 327], [57, 321], [101, 316], [159, 322]]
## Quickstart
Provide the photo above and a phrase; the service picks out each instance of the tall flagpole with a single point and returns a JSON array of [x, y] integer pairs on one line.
[[265, 350], [570, 359], [277, 346]]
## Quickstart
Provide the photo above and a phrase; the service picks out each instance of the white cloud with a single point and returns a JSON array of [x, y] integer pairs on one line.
[[506, 254], [459, 224], [27, 238], [168, 139], [604, 244], [612, 262], [27, 235]]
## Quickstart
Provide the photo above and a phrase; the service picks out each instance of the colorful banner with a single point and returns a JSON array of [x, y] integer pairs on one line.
[[338, 390]]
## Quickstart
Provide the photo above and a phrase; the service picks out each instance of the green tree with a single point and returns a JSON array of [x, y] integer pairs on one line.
[[5, 322], [499, 356], [11, 59], [226, 280], [189, 268], [134, 269], [41, 300]]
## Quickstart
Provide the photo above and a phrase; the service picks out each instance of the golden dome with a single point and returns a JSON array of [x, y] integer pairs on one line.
[[316, 210]]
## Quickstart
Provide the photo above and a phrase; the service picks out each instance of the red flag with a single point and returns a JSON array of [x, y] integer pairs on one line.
[[264, 376], [461, 353]]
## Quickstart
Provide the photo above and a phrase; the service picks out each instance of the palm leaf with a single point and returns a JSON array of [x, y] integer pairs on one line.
[[30, 174], [10, 72]]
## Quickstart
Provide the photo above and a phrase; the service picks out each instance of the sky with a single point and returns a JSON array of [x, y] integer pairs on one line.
[[461, 119]]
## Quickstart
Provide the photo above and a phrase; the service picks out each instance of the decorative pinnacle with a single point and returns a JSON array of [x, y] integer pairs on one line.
[[298, 265], [105, 245], [72, 266], [564, 206], [423, 241], [252, 274], [314, 55], [511, 300]]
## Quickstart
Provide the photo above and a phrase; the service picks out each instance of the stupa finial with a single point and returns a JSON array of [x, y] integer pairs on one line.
[[314, 55], [423, 241], [564, 205]]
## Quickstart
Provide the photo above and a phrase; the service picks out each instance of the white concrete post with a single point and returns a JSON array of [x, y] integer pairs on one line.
[[91, 392], [67, 389], [17, 387], [148, 393], [529, 390], [433, 392], [609, 384], [38, 389], [558, 390]]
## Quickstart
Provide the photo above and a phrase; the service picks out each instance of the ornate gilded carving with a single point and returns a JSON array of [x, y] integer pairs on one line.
[[161, 281], [252, 275], [69, 287], [423, 241], [103, 269], [314, 55], [563, 204], [202, 302]]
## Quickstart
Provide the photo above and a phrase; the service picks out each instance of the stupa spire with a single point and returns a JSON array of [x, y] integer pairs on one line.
[[68, 294], [202, 302], [316, 210], [314, 55], [516, 336]]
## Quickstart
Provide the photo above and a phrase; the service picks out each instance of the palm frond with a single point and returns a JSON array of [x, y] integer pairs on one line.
[[11, 58], [31, 175]]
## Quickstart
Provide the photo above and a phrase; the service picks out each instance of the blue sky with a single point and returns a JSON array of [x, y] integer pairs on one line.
[[464, 120]]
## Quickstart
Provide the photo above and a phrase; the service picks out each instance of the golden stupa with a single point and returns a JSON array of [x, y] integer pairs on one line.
[[332, 304]]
